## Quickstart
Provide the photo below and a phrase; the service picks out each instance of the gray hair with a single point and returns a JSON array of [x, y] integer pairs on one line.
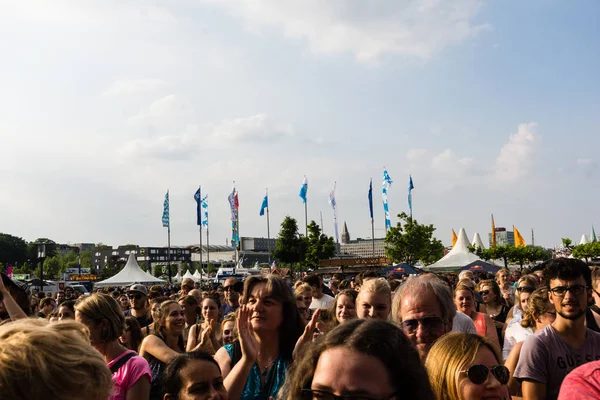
[[419, 285]]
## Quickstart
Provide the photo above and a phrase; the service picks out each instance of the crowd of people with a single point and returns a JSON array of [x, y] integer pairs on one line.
[[467, 336]]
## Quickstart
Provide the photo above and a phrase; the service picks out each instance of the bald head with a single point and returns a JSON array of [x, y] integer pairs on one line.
[[197, 294]]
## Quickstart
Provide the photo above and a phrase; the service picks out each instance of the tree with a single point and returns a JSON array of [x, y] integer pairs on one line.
[[509, 253], [85, 257], [50, 248], [13, 250], [289, 246], [317, 246], [587, 251], [410, 242], [52, 266]]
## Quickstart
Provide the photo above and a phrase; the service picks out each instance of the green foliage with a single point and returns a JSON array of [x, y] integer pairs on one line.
[[512, 254], [587, 251], [211, 269], [567, 243], [51, 249], [317, 246], [410, 242], [289, 246], [13, 250], [86, 258]]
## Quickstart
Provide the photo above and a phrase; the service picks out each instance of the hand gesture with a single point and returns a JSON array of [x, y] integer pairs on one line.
[[248, 341], [307, 336]]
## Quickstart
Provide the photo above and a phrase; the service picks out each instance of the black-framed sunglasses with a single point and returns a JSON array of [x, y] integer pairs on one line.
[[484, 292], [480, 373], [561, 291], [428, 323], [310, 394], [135, 296], [526, 289]]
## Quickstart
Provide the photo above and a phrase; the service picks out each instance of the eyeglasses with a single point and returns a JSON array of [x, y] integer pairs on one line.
[[575, 290], [479, 374], [484, 292], [309, 394], [427, 323], [526, 289], [135, 296], [227, 288]]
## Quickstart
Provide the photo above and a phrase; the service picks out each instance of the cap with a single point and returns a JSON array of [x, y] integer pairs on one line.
[[138, 288]]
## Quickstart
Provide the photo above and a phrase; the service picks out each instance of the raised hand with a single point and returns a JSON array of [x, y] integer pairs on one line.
[[307, 336], [248, 341]]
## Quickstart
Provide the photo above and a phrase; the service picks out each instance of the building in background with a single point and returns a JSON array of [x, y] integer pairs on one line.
[[363, 248], [503, 237], [145, 256]]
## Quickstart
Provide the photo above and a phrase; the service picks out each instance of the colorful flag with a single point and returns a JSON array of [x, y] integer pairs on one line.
[[493, 233], [371, 198], [304, 189], [234, 205], [454, 238], [410, 188], [593, 235], [387, 182], [333, 205], [204, 203], [265, 205], [519, 241], [198, 199], [165, 216]]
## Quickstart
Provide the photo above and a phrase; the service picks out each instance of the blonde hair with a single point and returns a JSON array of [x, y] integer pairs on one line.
[[303, 287], [530, 280], [44, 361], [537, 305], [450, 354], [98, 307], [376, 285], [232, 317]]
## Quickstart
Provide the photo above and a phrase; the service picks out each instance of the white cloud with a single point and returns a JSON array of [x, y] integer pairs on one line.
[[165, 107], [516, 156], [447, 163], [587, 165], [255, 128], [415, 154], [130, 86], [366, 29]]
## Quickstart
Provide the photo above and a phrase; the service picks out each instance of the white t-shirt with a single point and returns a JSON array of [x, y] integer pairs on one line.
[[323, 302], [463, 323], [514, 334]]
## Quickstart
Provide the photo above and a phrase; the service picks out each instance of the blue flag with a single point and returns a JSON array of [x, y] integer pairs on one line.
[[165, 216], [304, 190], [387, 182], [265, 204], [371, 198], [410, 188], [198, 199], [204, 203]]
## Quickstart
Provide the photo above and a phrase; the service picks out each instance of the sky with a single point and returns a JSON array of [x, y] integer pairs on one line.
[[491, 106]]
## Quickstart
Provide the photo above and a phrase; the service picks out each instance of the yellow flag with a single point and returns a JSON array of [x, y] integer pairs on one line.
[[519, 241], [493, 232], [454, 238]]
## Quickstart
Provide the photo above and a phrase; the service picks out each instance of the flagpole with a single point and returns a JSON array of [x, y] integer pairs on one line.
[[169, 249], [373, 234], [199, 208], [207, 246], [306, 217], [268, 227], [322, 227]]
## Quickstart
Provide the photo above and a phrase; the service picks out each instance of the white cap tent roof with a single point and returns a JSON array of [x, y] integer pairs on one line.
[[197, 275], [130, 274], [188, 275], [177, 277], [477, 241], [584, 239], [458, 257]]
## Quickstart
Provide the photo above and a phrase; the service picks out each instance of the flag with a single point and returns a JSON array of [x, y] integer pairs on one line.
[[410, 188], [204, 203], [304, 189], [371, 198], [493, 233], [265, 205], [454, 238], [593, 235], [198, 199], [165, 216], [519, 241], [333, 204], [387, 182], [9, 271], [234, 205]]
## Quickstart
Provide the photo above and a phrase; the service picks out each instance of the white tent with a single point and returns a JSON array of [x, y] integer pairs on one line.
[[477, 241], [187, 275], [177, 278], [584, 239], [458, 257], [197, 275], [130, 274]]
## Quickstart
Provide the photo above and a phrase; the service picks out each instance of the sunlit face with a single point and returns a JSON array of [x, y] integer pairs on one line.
[[228, 332], [344, 372], [345, 308], [175, 321], [502, 278], [490, 389], [65, 313], [524, 300], [371, 305], [154, 310], [305, 297], [545, 319], [137, 300], [201, 380], [464, 301], [210, 310], [570, 306], [266, 312], [487, 294]]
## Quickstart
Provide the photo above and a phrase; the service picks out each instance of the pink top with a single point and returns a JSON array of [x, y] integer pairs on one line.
[[127, 376], [582, 383], [480, 325]]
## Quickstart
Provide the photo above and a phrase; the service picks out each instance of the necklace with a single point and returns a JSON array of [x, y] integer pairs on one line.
[[266, 369]]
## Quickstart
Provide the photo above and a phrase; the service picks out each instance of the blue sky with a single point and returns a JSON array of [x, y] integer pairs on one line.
[[492, 106]]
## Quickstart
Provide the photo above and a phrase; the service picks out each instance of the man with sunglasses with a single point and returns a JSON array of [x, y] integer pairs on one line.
[[549, 355], [138, 299], [231, 289], [425, 309]]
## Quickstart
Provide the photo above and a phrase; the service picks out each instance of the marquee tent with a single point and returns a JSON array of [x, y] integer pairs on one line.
[[480, 266], [130, 274], [400, 269], [477, 241], [177, 278], [456, 258]]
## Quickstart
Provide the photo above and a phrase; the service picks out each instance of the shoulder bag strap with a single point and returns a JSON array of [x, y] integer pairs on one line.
[[116, 366]]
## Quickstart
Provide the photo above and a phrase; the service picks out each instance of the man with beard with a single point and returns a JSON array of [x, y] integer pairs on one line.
[[549, 355], [138, 299], [232, 289], [425, 310]]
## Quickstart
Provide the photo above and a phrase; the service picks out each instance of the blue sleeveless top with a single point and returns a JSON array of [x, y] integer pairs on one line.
[[254, 389]]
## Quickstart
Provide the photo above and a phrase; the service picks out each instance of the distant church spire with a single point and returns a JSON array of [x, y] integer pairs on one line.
[[345, 234]]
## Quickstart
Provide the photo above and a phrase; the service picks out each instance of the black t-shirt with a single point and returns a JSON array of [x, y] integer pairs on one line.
[[144, 320]]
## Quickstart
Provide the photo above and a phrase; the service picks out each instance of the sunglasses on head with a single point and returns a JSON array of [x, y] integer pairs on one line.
[[479, 374], [428, 323], [526, 289]]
